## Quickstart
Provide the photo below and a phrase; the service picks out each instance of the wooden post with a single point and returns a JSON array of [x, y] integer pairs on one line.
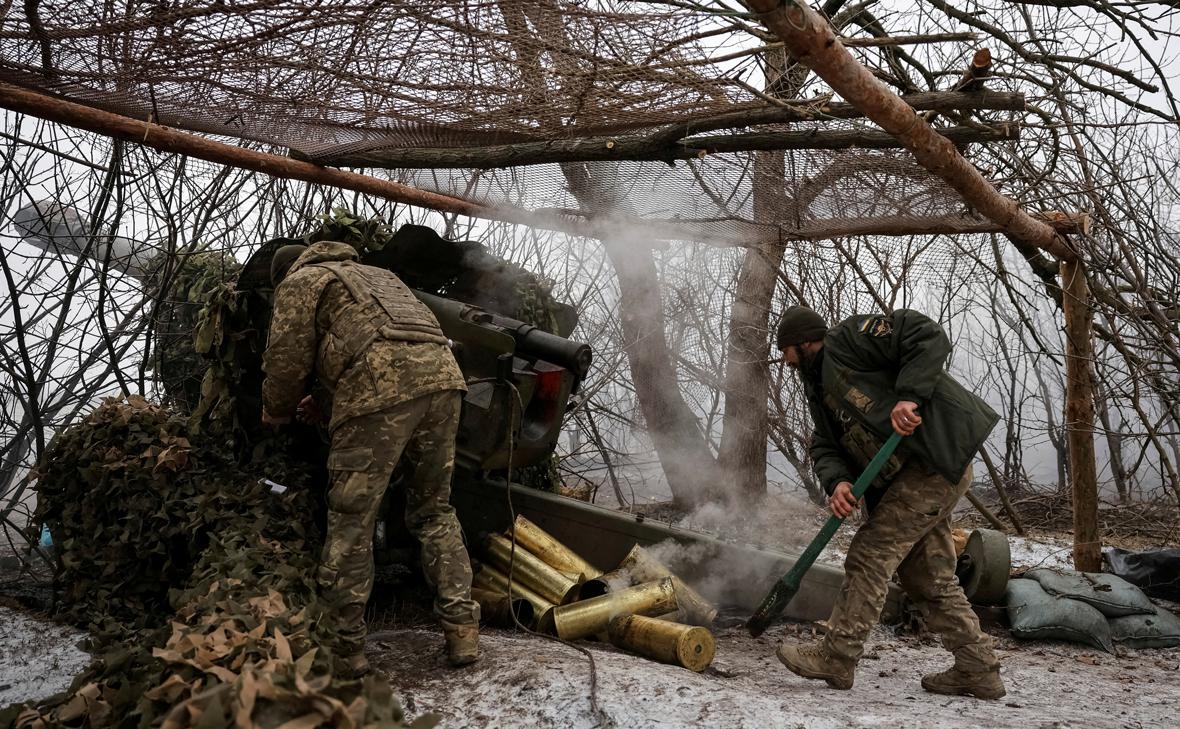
[[1079, 415], [167, 139], [811, 40]]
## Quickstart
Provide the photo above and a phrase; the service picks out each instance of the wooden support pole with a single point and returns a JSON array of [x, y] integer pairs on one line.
[[907, 225], [632, 148], [976, 73], [170, 140], [166, 139], [810, 39], [1079, 415]]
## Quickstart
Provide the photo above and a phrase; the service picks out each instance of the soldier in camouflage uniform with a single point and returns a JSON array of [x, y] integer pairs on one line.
[[866, 377], [395, 388]]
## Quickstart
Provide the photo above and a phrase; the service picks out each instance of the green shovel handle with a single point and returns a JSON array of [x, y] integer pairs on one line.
[[785, 588]]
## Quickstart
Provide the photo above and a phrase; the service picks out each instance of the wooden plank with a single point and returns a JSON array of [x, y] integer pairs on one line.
[[658, 147]]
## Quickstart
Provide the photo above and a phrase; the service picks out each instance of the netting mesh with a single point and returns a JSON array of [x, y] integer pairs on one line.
[[329, 79]]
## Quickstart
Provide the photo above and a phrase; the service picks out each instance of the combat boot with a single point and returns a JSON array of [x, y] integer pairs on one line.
[[814, 661], [462, 642], [354, 666], [957, 682]]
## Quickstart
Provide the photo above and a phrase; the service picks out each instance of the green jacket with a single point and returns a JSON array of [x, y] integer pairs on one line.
[[869, 363]]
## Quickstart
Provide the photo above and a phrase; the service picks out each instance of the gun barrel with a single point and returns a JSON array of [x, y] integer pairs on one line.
[[574, 356], [529, 340]]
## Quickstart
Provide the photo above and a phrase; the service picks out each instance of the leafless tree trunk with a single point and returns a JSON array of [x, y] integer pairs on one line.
[[1114, 443], [742, 455]]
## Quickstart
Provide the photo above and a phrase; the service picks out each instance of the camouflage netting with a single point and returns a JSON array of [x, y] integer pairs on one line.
[[201, 294], [433, 91], [197, 582]]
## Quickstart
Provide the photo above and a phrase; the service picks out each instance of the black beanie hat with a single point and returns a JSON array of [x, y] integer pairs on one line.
[[800, 324]]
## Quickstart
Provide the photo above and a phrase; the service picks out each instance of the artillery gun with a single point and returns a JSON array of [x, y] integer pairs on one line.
[[520, 377]]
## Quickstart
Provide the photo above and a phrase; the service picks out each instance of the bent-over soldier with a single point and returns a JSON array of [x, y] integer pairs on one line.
[[395, 388], [863, 378]]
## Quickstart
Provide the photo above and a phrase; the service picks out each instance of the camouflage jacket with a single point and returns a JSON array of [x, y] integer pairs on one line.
[[369, 343], [869, 363]]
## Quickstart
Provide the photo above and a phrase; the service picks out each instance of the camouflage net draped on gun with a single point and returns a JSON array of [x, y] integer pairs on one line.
[[192, 297], [197, 582]]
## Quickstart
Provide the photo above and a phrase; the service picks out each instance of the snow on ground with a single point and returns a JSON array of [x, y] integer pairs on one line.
[[38, 658], [1043, 551], [529, 681]]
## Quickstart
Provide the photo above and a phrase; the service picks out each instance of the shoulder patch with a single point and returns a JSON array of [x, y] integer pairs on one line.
[[876, 326]]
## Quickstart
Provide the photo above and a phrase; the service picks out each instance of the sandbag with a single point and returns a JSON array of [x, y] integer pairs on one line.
[[1158, 630], [1036, 615], [1156, 572], [1111, 595]]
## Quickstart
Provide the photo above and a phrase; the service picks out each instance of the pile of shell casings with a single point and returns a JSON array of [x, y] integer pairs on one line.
[[640, 606]]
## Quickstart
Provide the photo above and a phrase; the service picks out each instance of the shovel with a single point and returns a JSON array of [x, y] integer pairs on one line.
[[785, 588]]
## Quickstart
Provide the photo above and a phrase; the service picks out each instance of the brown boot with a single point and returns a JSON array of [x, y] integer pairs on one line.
[[354, 666], [957, 682], [462, 642], [814, 661]]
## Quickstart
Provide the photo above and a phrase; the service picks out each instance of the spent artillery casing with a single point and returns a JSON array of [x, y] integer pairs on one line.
[[589, 617], [606, 582], [684, 645], [552, 552], [493, 580], [497, 608], [697, 610], [534, 574]]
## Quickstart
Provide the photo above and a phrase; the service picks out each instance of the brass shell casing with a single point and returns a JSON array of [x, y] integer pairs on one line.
[[602, 584], [493, 580], [683, 645], [589, 617], [534, 574], [552, 552], [496, 608], [697, 610]]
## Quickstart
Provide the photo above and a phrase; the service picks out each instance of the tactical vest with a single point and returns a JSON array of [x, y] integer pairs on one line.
[[861, 444], [381, 308]]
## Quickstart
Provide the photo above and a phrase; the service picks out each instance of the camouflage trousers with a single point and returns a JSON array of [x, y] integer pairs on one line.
[[909, 531], [365, 450]]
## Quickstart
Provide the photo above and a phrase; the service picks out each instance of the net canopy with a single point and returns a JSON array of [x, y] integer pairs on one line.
[[651, 102]]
